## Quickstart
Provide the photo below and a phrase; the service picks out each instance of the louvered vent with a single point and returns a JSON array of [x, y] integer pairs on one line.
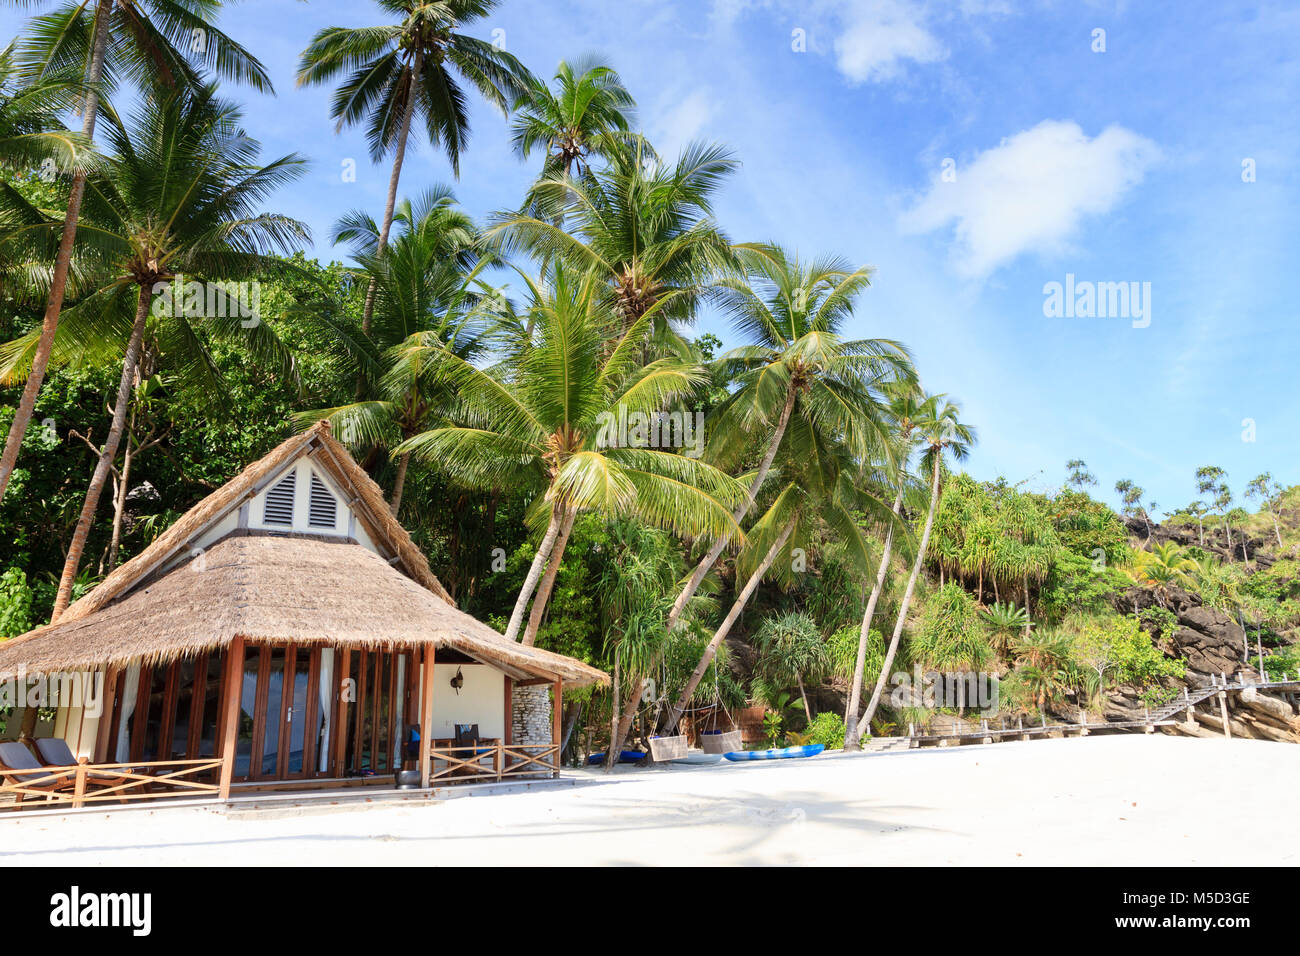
[[279, 501], [324, 509]]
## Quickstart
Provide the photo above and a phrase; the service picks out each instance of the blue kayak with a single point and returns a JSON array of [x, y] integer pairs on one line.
[[778, 753], [627, 756]]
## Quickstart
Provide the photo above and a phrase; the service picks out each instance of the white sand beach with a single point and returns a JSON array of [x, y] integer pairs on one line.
[[1119, 800]]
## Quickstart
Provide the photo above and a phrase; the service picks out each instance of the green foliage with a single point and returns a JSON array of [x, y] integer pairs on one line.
[[15, 603], [842, 653], [791, 649], [950, 635], [1137, 659], [1159, 622], [1078, 583], [827, 729]]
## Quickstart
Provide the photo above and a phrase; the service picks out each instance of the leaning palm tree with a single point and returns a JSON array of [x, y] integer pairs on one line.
[[161, 45], [32, 137], [544, 425], [588, 112], [943, 433], [645, 227], [797, 373], [395, 71], [31, 132], [425, 284], [819, 493], [180, 195], [907, 408]]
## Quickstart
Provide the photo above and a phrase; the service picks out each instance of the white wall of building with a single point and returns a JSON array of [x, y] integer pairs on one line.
[[482, 700]]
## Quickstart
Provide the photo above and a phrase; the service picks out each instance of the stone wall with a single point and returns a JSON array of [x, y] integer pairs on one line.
[[531, 714]]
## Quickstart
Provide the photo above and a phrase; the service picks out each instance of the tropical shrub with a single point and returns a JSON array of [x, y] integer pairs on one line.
[[1137, 659], [827, 729], [950, 635]]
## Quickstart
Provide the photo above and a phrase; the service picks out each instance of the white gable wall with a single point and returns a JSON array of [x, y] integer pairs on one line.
[[252, 513]]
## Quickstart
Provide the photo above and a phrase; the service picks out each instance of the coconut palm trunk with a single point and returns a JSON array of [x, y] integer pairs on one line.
[[710, 652], [391, 203], [534, 574], [403, 462], [706, 563], [864, 636], [865, 721], [548, 580], [119, 500], [62, 260], [106, 455]]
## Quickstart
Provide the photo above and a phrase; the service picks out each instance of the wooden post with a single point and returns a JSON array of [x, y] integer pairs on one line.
[[426, 717], [102, 742], [230, 715], [1223, 711], [79, 787], [508, 735], [557, 723]]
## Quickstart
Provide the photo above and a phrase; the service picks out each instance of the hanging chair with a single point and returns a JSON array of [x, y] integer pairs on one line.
[[717, 741], [667, 747]]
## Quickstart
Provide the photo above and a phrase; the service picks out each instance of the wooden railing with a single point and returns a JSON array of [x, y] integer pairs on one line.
[[492, 761], [117, 782]]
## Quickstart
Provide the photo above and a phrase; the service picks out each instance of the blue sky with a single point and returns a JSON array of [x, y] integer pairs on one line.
[[1116, 165]]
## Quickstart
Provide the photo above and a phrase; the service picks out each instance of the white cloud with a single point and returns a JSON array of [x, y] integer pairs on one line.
[[1031, 192], [682, 121], [873, 39]]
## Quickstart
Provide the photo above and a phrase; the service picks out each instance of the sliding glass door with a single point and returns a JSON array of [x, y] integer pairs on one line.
[[304, 712]]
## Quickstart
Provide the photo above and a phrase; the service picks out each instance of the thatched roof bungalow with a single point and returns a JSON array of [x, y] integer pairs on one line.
[[287, 631]]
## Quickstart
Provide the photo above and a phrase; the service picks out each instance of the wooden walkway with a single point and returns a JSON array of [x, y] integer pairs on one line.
[[1162, 716]]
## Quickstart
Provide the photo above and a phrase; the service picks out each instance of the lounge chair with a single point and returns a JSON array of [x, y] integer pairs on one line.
[[19, 766], [56, 753]]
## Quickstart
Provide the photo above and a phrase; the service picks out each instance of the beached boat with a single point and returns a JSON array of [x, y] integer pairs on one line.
[[701, 758], [777, 753], [627, 756]]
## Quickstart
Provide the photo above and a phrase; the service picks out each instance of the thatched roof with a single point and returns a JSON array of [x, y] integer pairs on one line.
[[274, 589], [368, 504]]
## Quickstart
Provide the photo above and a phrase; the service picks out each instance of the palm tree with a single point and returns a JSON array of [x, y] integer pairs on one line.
[[943, 433], [393, 71], [791, 649], [1080, 476], [798, 372], [1044, 665], [819, 493], [1163, 568], [588, 112], [180, 196], [1005, 620], [425, 296], [644, 226], [151, 42], [31, 133], [545, 429], [906, 409]]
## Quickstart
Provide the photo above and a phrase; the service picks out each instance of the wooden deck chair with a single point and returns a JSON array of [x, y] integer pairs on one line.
[[56, 753], [19, 767]]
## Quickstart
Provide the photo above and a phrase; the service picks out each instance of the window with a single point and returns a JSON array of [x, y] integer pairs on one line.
[[279, 501], [323, 511]]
